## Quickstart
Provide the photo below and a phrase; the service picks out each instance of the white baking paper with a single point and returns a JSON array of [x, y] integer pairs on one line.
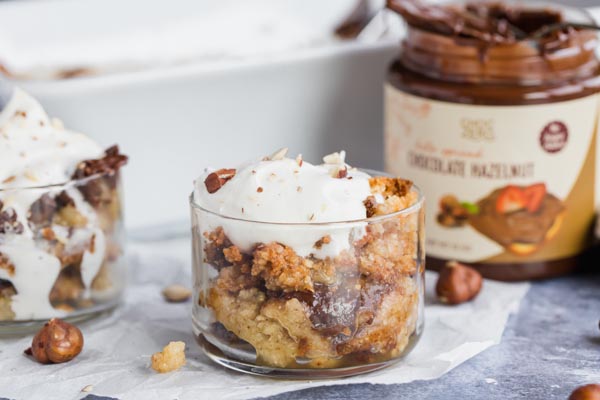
[[116, 357]]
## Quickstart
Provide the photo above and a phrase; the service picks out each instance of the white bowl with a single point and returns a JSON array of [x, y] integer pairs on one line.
[[174, 122]]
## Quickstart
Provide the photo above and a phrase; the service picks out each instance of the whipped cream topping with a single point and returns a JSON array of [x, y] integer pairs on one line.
[[284, 190], [37, 151]]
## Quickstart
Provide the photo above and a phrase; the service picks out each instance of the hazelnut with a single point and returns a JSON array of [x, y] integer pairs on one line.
[[587, 392], [57, 342], [460, 213], [215, 180], [342, 173], [447, 220], [458, 283], [448, 203], [176, 293], [279, 154]]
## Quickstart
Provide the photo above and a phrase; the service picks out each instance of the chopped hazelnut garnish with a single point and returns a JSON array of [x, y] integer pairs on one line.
[[324, 240], [299, 160], [57, 123], [217, 179], [335, 158], [259, 189], [29, 175], [371, 206], [342, 173], [9, 179], [48, 233], [279, 154], [299, 189]]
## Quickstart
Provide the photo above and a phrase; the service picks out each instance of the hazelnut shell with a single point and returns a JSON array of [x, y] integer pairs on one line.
[[458, 283], [56, 342], [587, 392]]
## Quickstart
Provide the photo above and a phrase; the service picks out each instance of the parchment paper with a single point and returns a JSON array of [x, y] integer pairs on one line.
[[116, 355]]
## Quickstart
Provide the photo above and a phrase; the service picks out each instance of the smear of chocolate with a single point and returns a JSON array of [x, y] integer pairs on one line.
[[107, 167], [490, 23], [332, 308]]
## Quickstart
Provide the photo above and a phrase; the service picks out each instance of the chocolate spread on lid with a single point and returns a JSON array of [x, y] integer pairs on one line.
[[512, 46], [464, 62], [491, 23]]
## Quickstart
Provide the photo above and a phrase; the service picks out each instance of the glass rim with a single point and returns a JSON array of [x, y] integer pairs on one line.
[[69, 183], [418, 205]]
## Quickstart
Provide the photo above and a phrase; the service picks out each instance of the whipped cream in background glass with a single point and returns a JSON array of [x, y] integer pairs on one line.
[[279, 189], [36, 151]]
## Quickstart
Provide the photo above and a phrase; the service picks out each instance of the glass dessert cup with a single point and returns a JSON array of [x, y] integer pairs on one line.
[[61, 251], [346, 299]]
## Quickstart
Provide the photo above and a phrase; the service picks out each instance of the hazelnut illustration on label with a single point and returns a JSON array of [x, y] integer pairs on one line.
[[519, 218]]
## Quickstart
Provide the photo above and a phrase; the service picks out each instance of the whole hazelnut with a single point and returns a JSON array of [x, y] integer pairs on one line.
[[448, 203], [57, 342], [458, 283], [587, 392]]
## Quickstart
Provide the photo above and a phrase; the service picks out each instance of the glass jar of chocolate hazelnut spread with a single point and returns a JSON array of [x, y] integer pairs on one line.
[[493, 109]]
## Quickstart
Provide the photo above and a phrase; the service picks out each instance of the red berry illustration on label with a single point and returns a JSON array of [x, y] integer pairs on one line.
[[511, 199]]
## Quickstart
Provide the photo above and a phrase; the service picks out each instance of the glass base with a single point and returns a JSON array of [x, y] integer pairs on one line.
[[216, 355], [20, 328]]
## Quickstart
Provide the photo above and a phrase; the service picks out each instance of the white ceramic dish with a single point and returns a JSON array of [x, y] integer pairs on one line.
[[175, 121]]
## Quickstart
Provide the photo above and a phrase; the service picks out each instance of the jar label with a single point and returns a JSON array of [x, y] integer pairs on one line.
[[502, 184]]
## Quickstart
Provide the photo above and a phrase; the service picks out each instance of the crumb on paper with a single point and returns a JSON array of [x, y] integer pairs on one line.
[[171, 358], [87, 388], [176, 293]]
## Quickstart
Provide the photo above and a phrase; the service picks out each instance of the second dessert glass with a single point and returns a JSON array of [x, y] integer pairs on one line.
[[66, 257], [349, 300]]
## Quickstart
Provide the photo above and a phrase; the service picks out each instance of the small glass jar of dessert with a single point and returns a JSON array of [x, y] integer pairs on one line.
[[61, 231], [306, 271]]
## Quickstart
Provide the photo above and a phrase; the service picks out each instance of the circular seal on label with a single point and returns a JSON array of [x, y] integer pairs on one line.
[[554, 137]]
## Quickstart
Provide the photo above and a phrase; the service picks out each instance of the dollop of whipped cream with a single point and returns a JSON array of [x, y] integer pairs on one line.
[[283, 190], [35, 150], [287, 190]]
